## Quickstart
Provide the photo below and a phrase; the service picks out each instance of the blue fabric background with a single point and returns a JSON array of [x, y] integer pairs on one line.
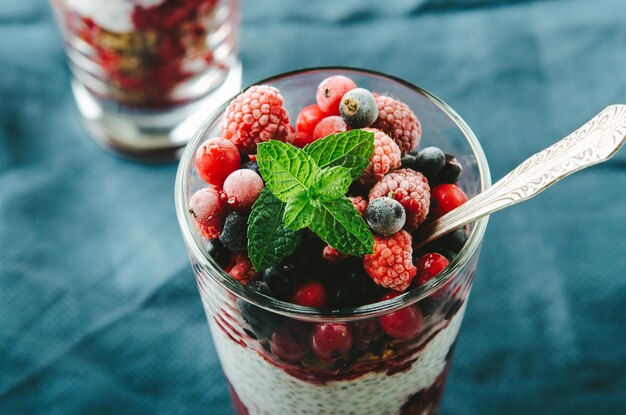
[[99, 311]]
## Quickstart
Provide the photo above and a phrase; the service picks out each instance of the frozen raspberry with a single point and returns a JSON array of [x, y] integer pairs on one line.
[[446, 197], [359, 203], [241, 268], [411, 189], [308, 118], [386, 157], [215, 159], [399, 122], [207, 209], [330, 91], [402, 324], [310, 294], [331, 341], [330, 254], [255, 116], [391, 264], [242, 188], [329, 125]]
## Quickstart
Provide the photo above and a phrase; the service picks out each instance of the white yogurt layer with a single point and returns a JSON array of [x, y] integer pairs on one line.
[[112, 15], [268, 390]]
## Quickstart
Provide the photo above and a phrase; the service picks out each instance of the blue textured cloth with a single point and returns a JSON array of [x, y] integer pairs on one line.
[[99, 312]]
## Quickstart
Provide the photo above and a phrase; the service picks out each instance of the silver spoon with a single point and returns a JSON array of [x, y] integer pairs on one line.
[[595, 142]]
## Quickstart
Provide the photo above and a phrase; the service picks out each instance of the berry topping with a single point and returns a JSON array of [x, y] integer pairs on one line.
[[385, 216], [308, 118], [331, 90], [397, 120], [207, 209], [331, 341], [366, 333], [290, 344], [402, 324], [329, 125], [358, 108], [352, 286], [411, 189], [386, 157], [451, 171], [391, 264], [234, 235], [217, 251], [359, 203], [216, 159], [330, 254], [242, 188], [241, 268], [255, 116], [310, 294], [446, 197], [428, 266], [430, 161], [281, 279]]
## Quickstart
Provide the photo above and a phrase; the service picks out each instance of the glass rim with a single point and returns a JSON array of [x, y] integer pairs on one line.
[[198, 252]]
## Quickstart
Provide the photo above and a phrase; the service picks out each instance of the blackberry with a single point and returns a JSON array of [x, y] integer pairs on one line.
[[430, 161], [234, 235], [385, 216], [409, 161], [218, 252], [358, 108]]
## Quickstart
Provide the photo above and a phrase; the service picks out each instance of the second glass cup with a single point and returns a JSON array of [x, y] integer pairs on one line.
[[266, 345]]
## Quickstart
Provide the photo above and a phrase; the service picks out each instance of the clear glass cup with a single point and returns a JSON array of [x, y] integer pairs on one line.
[[142, 68], [264, 344]]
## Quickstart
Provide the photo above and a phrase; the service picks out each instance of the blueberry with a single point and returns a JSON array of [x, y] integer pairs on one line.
[[453, 241], [409, 161], [261, 286], [261, 322], [218, 252], [281, 279], [358, 108], [254, 166], [430, 161], [385, 216], [234, 236], [451, 171]]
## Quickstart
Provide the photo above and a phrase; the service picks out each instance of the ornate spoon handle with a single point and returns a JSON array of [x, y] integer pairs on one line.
[[596, 141]]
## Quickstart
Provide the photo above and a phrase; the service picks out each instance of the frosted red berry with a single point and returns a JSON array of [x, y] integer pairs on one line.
[[302, 139], [310, 294], [329, 125], [411, 189], [402, 324], [385, 158], [330, 254], [241, 268], [308, 118], [289, 345], [331, 90], [399, 122], [207, 209], [428, 266], [331, 341], [215, 159], [445, 198], [242, 188], [255, 116], [391, 264], [359, 203]]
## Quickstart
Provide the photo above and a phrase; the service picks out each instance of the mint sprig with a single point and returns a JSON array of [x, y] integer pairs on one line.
[[307, 188]]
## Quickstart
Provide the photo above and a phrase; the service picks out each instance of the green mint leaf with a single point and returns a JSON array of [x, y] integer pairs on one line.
[[298, 212], [269, 242], [332, 182], [352, 149], [287, 170], [340, 225]]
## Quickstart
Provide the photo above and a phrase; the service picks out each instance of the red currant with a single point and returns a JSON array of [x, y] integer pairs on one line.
[[428, 266], [288, 346], [308, 118], [310, 294], [216, 158], [444, 198], [331, 340], [329, 125], [402, 324]]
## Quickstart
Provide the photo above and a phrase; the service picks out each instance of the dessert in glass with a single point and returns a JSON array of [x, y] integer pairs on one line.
[[298, 201], [142, 67]]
